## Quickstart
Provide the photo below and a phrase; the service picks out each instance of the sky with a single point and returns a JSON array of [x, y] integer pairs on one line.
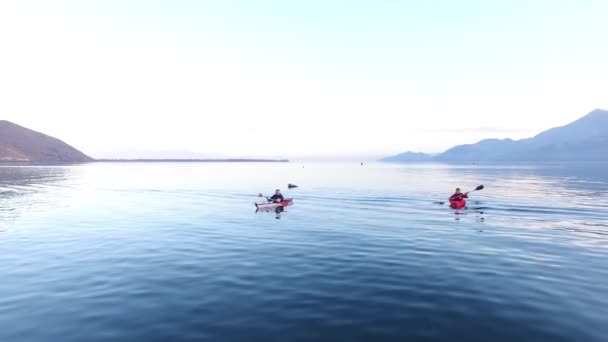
[[298, 79]]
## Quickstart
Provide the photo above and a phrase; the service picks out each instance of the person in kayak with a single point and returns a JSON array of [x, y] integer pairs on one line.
[[277, 197], [261, 199], [458, 196]]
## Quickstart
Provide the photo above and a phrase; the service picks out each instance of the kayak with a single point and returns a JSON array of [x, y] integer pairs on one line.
[[272, 205], [458, 204]]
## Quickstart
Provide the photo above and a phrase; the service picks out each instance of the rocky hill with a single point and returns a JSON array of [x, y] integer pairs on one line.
[[19, 144]]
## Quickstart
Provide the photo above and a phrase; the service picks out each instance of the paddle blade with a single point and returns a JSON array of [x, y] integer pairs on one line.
[[479, 188]]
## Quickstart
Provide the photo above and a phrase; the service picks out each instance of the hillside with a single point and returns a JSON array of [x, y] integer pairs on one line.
[[19, 144]]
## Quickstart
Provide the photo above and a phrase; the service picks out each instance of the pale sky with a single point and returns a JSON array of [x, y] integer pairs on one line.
[[298, 79]]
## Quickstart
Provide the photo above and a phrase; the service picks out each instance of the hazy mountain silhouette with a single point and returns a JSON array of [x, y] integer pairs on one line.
[[409, 156], [19, 144], [585, 139]]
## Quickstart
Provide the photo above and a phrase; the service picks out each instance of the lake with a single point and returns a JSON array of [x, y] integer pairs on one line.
[[177, 252]]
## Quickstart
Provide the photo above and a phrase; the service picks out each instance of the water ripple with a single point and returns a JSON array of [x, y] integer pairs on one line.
[[177, 252]]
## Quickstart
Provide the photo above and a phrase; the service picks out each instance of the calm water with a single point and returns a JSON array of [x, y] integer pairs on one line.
[[159, 252]]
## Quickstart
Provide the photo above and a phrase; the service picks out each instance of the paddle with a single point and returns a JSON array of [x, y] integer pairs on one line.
[[481, 187], [477, 188]]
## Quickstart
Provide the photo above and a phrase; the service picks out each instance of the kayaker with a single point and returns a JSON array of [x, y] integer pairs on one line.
[[261, 199], [277, 197], [458, 196]]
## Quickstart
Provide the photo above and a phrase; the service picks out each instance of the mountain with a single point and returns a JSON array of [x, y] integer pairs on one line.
[[409, 157], [19, 144], [113, 152], [591, 127], [585, 139]]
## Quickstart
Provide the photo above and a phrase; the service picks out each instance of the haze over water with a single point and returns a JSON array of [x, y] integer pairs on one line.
[[176, 251]]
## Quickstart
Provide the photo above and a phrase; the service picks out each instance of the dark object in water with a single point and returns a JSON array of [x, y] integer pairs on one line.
[[291, 186]]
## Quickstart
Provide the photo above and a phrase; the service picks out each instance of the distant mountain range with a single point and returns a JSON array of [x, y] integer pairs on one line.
[[113, 152], [409, 157], [182, 160], [19, 144], [585, 139], [22, 145]]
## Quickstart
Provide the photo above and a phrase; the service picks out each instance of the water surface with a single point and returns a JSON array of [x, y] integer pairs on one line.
[[176, 251]]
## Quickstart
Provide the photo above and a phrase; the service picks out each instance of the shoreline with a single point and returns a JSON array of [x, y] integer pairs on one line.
[[235, 160], [229, 160]]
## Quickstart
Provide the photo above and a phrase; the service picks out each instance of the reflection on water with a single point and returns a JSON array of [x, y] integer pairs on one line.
[[26, 177], [140, 252], [276, 210], [21, 187]]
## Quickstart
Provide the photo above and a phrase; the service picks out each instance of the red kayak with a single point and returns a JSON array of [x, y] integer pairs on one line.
[[458, 204], [272, 205]]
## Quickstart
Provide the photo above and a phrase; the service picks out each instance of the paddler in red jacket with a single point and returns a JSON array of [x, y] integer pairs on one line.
[[459, 196]]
